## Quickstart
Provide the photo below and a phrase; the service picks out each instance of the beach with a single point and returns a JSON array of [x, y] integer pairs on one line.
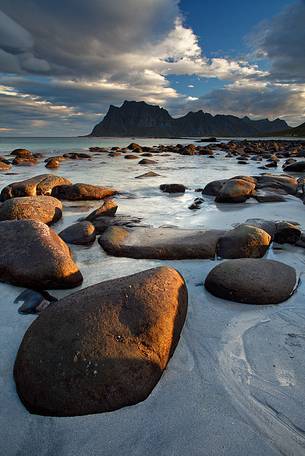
[[235, 383]]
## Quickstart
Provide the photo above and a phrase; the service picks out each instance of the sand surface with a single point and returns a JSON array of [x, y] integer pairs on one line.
[[235, 385]]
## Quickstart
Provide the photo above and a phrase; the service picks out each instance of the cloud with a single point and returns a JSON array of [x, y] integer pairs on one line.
[[281, 41], [257, 100], [72, 58]]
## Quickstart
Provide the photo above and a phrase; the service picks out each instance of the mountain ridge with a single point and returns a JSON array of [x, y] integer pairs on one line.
[[138, 118]]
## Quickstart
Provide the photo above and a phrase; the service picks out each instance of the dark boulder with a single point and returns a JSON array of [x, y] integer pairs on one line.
[[252, 281], [81, 233]]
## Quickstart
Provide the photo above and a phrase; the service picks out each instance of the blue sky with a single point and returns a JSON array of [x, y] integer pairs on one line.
[[60, 71]]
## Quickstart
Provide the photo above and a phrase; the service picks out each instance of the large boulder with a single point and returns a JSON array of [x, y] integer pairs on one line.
[[252, 281], [235, 191], [38, 185], [160, 243], [44, 209], [104, 347], [33, 255], [82, 192], [81, 233], [244, 241]]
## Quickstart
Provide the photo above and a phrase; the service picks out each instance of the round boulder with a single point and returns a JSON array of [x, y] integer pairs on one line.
[[44, 209], [104, 347], [244, 241], [32, 255], [81, 233], [235, 191], [252, 281]]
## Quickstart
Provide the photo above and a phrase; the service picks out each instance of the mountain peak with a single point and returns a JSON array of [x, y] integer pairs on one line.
[[138, 118]]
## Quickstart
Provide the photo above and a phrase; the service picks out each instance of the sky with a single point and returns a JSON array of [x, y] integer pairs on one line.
[[63, 62]]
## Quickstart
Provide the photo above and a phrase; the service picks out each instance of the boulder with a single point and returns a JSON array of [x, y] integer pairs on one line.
[[52, 163], [287, 233], [4, 166], [32, 255], [131, 157], [44, 209], [172, 188], [147, 161], [214, 187], [38, 185], [267, 225], [235, 191], [102, 348], [103, 223], [148, 174], [244, 241], [297, 167], [133, 146], [160, 243], [25, 161], [281, 182], [252, 281], [24, 153], [266, 196], [82, 192], [81, 233], [108, 209]]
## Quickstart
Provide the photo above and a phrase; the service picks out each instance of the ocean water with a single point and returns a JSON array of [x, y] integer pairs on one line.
[[235, 384]]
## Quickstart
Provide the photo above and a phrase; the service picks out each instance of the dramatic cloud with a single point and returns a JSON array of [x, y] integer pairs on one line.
[[69, 59], [281, 41], [257, 100]]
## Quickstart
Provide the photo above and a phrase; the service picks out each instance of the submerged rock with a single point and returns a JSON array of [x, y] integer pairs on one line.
[[252, 281], [34, 301], [34, 256], [104, 347], [172, 188], [81, 233], [147, 161], [44, 209], [148, 174], [160, 243]]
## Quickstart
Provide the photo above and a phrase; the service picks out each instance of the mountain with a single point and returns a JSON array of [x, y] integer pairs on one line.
[[298, 132], [135, 118]]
